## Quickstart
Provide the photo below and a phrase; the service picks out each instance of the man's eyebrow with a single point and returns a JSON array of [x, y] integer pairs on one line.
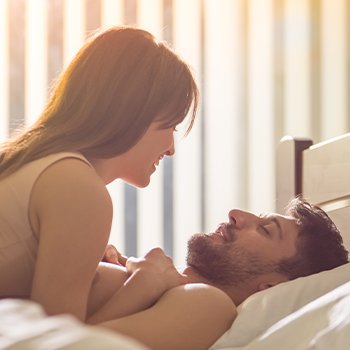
[[274, 219]]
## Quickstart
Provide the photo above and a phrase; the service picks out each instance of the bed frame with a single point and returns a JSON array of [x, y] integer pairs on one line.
[[320, 173]]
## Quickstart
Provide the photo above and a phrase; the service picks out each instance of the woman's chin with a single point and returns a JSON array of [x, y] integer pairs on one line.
[[140, 183]]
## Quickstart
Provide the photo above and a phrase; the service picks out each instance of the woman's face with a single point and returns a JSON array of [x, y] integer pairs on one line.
[[138, 164]]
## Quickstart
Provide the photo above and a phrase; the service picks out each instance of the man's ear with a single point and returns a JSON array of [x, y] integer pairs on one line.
[[272, 280], [267, 285]]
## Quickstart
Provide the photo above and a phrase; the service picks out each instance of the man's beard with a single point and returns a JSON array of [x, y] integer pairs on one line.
[[224, 264]]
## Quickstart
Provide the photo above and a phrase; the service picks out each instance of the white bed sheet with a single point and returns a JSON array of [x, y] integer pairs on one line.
[[25, 326], [308, 313]]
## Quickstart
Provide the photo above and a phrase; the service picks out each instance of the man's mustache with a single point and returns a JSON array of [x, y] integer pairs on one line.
[[227, 230]]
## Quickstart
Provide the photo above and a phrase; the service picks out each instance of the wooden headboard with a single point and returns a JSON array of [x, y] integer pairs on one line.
[[320, 173]]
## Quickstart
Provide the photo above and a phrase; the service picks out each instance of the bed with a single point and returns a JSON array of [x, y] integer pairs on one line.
[[311, 312], [307, 313], [25, 326]]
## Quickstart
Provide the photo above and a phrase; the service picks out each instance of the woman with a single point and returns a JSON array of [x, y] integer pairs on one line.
[[112, 114]]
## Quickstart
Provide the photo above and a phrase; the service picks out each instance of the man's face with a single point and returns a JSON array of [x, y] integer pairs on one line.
[[243, 249]]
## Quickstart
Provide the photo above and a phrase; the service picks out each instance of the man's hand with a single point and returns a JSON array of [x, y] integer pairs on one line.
[[113, 256], [159, 268]]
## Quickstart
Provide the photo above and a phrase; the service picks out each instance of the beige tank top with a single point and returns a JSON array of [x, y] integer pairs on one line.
[[18, 243]]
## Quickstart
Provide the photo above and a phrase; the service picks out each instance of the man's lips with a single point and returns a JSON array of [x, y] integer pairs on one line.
[[221, 232]]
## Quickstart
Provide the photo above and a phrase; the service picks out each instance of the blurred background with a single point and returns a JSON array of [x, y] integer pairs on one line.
[[266, 69]]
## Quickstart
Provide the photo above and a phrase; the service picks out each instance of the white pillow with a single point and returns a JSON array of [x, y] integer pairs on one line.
[[263, 309], [322, 324]]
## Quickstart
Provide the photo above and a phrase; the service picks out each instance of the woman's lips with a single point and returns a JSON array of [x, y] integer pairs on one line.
[[156, 163]]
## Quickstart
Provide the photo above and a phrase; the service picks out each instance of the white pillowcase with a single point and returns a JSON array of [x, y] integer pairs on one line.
[[322, 324], [263, 309]]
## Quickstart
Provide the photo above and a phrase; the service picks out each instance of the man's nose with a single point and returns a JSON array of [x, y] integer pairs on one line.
[[240, 218]]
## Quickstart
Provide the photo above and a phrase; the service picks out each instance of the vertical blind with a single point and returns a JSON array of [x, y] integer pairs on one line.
[[266, 69]]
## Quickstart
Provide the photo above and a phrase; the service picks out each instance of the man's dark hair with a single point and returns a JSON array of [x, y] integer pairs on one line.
[[319, 243]]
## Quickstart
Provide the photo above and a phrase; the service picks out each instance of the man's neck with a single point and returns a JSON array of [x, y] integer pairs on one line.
[[193, 276], [237, 294]]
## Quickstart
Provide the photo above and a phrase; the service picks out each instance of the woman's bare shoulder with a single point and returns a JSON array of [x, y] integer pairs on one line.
[[68, 181], [69, 170], [70, 211]]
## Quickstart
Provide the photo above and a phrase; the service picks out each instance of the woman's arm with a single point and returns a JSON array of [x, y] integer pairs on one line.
[[190, 317], [108, 279], [70, 211], [150, 277]]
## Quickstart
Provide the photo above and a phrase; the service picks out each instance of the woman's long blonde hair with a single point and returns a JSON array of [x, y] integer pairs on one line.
[[102, 104]]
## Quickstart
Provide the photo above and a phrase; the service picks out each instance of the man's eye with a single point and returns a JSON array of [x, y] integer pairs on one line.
[[265, 231]]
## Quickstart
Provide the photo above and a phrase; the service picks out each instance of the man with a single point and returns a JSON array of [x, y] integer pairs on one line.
[[247, 254], [252, 253]]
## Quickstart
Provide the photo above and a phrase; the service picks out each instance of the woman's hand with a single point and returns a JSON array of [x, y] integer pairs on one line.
[[113, 256], [158, 268], [148, 279]]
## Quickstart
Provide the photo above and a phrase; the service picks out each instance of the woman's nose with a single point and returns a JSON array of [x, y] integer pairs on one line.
[[171, 151]]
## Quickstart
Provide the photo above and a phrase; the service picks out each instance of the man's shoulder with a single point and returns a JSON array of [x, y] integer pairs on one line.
[[201, 294], [202, 313]]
